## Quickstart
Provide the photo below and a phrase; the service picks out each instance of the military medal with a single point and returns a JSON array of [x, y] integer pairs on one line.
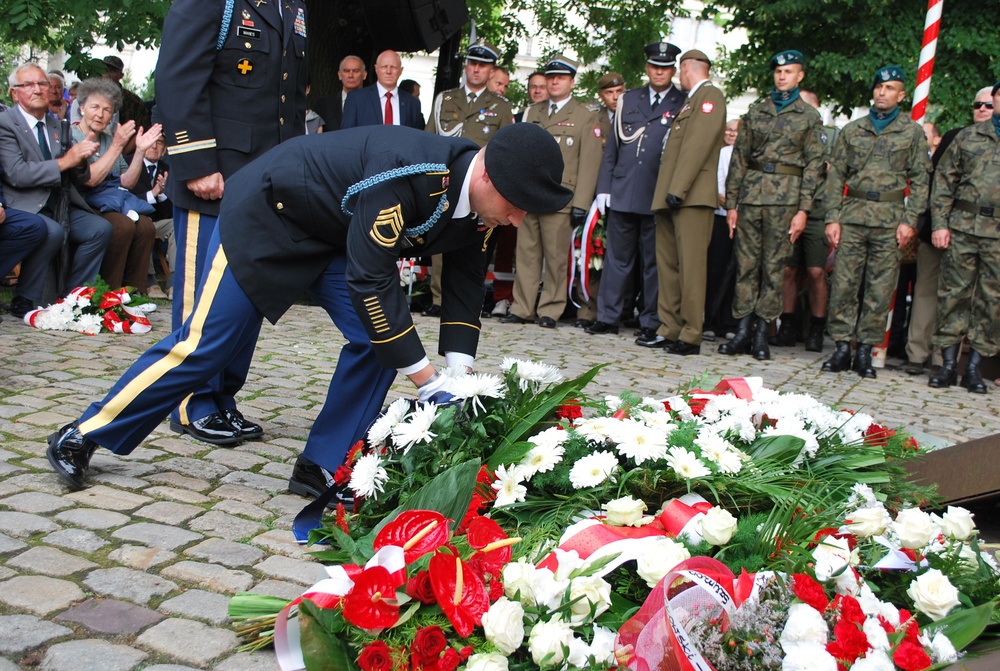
[[569, 142], [246, 15], [244, 65], [663, 120], [300, 22], [486, 130]]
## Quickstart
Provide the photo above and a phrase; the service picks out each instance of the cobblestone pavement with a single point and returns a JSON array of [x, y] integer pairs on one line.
[[136, 571]]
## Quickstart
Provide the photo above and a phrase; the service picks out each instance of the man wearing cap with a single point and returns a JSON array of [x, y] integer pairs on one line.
[[471, 111], [965, 215], [546, 235], [625, 190], [356, 200], [133, 108], [772, 179], [228, 88], [684, 199], [870, 218]]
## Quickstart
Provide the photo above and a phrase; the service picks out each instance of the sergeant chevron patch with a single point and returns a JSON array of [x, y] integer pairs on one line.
[[388, 224]]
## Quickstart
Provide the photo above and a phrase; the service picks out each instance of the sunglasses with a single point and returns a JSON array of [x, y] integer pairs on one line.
[[979, 105]]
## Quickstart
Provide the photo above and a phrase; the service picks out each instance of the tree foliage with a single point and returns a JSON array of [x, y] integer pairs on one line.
[[846, 41]]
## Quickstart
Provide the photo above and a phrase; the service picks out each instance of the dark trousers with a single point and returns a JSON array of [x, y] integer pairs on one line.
[[721, 285], [89, 235], [20, 233], [631, 238]]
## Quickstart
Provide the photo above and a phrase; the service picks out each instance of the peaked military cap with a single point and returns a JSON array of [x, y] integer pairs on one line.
[[787, 57], [695, 55], [609, 80], [482, 53], [662, 54], [560, 65], [525, 165], [888, 73]]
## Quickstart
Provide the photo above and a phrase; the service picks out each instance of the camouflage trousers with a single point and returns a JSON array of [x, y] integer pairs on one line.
[[762, 251], [969, 294], [867, 258]]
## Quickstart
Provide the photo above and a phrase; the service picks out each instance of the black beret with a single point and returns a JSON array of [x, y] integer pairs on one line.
[[662, 54], [525, 165]]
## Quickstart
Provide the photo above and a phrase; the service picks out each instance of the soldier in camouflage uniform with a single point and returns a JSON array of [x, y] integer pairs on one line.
[[875, 157], [769, 192], [965, 214]]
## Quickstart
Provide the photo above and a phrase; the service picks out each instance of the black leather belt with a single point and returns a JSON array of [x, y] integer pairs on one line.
[[878, 196], [972, 208], [776, 169]]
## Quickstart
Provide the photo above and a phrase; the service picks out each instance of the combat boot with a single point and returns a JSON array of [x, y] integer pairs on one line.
[[814, 341], [863, 362], [841, 359], [973, 379], [947, 374], [740, 344], [785, 337], [760, 350]]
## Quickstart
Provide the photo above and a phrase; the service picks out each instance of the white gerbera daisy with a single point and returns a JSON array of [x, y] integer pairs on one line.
[[593, 469], [641, 443], [477, 387], [368, 476], [686, 464], [417, 429], [392, 416], [719, 451], [529, 372], [598, 428], [508, 485], [541, 458]]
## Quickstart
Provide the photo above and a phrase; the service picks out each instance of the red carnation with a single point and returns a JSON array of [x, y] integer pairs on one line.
[[851, 639], [449, 660], [465, 652], [419, 587], [342, 475], [375, 657], [569, 411], [910, 444], [878, 435], [427, 646], [809, 591], [850, 610], [910, 656]]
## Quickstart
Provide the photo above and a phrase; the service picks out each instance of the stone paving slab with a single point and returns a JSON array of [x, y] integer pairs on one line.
[[108, 616]]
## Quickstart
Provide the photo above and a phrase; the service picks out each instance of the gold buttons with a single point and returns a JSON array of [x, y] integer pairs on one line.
[[247, 45], [284, 75], [282, 98], [280, 206], [284, 53], [281, 121]]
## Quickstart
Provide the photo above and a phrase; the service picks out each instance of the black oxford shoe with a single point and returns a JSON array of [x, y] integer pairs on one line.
[[547, 322], [69, 454], [20, 306], [682, 348], [513, 319], [248, 430], [432, 311], [214, 429], [649, 338], [312, 480], [601, 328]]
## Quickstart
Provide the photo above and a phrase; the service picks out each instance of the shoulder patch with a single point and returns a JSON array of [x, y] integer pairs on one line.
[[388, 224], [707, 107]]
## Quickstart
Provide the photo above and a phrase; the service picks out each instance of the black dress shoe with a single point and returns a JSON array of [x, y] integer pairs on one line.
[[248, 430], [69, 452], [649, 338], [312, 480], [683, 348], [582, 323], [601, 328], [513, 319], [547, 322], [214, 429], [20, 306], [432, 311]]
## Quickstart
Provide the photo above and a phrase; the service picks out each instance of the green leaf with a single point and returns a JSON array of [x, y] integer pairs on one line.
[[965, 626], [322, 649], [449, 493]]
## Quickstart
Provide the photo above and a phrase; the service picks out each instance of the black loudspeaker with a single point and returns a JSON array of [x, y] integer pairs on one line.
[[414, 25]]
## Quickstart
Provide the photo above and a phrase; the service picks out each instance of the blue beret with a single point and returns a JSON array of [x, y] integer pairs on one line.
[[788, 57], [889, 73]]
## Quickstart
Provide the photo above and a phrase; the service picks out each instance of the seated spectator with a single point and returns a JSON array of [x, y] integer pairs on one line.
[[126, 261], [57, 103], [150, 186], [20, 234], [34, 159]]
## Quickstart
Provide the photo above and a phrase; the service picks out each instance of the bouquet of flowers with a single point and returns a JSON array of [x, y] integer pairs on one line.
[[90, 310]]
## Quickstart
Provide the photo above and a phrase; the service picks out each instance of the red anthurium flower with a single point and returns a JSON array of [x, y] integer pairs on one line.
[[416, 531], [460, 593], [809, 591], [493, 545], [371, 604]]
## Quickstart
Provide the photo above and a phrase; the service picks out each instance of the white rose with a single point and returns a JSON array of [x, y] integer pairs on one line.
[[933, 594], [659, 559], [807, 657], [805, 625], [832, 555], [590, 595], [876, 660], [550, 640], [868, 522], [549, 590], [503, 625], [624, 512], [489, 661], [519, 581], [915, 528], [957, 523], [717, 526]]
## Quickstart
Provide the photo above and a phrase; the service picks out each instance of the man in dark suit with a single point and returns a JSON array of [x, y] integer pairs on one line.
[[352, 75], [151, 185], [384, 103], [226, 92], [33, 161], [340, 209], [625, 190]]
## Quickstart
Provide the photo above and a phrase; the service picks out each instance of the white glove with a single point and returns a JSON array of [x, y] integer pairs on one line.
[[603, 202], [437, 390]]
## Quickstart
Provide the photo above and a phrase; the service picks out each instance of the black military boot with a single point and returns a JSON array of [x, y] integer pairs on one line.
[[863, 361], [69, 453], [973, 379], [740, 344], [947, 374], [814, 341], [841, 359], [760, 350], [785, 337]]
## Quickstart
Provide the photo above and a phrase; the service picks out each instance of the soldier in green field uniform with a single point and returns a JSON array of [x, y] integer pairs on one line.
[[965, 214], [876, 157], [772, 179]]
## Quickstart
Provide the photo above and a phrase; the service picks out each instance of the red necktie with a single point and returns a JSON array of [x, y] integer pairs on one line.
[[388, 108]]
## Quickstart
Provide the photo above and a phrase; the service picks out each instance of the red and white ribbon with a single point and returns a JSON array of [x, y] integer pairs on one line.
[[932, 27], [581, 266]]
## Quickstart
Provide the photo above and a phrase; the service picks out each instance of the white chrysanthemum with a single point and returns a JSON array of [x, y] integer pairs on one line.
[[659, 420], [598, 428], [477, 387], [368, 476], [652, 404], [853, 427], [393, 415], [90, 324], [417, 429], [593, 469], [686, 464], [531, 371], [508, 486], [541, 459], [720, 452], [641, 443], [795, 427], [862, 496], [680, 406], [613, 402]]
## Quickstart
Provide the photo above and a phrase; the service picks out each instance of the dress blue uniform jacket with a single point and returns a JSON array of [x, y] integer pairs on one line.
[[364, 107], [628, 169], [282, 222], [223, 108]]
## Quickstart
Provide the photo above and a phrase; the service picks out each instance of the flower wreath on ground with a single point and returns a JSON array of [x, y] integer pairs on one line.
[[527, 527], [90, 310]]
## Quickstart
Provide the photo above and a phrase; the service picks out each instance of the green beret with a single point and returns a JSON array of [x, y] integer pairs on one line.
[[788, 57], [889, 73]]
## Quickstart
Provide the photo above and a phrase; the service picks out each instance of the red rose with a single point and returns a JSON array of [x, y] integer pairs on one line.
[[910, 656], [427, 646], [449, 661], [809, 591], [375, 657], [419, 587]]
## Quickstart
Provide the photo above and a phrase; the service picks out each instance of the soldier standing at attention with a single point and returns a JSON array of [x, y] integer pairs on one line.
[[965, 214], [684, 200], [471, 111], [769, 193], [547, 236], [876, 157]]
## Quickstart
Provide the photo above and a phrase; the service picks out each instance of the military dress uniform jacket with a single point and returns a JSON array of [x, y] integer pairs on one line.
[[282, 221], [454, 116], [690, 161], [967, 178], [222, 108], [632, 155], [769, 147], [577, 130], [877, 167]]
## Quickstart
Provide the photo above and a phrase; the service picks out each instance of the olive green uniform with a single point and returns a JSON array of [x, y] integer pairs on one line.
[[812, 248]]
